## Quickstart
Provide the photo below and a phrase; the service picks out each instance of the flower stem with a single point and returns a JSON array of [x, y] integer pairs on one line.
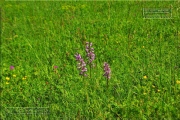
[[90, 70], [107, 83]]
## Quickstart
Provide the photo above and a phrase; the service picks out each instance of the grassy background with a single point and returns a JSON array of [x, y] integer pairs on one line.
[[39, 35]]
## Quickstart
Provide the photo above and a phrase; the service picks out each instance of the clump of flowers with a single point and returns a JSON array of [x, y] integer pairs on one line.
[[91, 58], [90, 52], [7, 78], [81, 65]]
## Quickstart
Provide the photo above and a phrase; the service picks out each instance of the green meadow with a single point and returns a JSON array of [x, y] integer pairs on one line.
[[39, 75]]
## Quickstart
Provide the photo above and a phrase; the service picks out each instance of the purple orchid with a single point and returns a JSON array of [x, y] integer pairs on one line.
[[81, 65], [90, 52], [11, 67], [55, 67], [107, 71]]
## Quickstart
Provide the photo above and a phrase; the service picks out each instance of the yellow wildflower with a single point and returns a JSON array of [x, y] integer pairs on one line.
[[145, 77], [24, 78], [14, 75], [178, 82], [7, 78], [7, 83], [143, 46]]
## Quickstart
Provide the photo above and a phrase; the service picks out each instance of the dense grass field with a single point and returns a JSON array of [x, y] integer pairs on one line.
[[39, 75]]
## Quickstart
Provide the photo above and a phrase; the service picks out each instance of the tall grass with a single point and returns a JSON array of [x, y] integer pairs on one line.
[[143, 55]]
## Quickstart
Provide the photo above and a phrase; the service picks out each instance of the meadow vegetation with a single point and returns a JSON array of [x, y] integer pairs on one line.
[[39, 41]]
